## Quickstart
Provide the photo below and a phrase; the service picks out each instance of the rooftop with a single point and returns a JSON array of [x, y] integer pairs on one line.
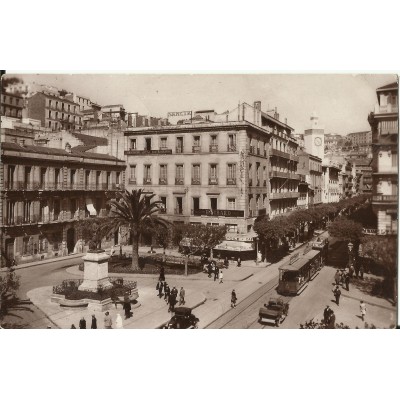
[[393, 85], [89, 140]]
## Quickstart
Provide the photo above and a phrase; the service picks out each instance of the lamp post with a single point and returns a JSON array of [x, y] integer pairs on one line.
[[256, 250], [350, 247]]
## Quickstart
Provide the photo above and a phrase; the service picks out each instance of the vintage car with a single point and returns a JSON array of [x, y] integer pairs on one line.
[[274, 312], [183, 319]]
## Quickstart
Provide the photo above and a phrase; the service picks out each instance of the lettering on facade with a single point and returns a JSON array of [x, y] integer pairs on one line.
[[294, 258], [179, 113], [218, 213]]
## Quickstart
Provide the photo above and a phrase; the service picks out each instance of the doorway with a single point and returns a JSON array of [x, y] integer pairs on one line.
[[70, 240], [214, 203], [10, 250]]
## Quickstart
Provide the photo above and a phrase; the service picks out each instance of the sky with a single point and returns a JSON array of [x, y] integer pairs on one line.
[[341, 101]]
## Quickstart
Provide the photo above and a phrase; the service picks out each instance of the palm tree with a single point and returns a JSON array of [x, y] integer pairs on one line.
[[136, 211]]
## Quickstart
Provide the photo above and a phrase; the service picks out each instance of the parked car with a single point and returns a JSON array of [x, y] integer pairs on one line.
[[183, 319], [275, 311]]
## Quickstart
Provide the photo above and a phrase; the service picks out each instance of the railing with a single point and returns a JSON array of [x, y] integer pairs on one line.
[[231, 148], [196, 149], [134, 152], [284, 195], [213, 148], [179, 181], [213, 181], [278, 174], [391, 198], [162, 181], [132, 181], [231, 181], [196, 181], [278, 153], [147, 181]]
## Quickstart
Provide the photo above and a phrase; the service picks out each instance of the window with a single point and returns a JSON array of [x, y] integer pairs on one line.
[[27, 211], [132, 173], [231, 203], [72, 207], [179, 205], [28, 171], [147, 174], [214, 203], [394, 159], [231, 142], [108, 179], [56, 209], [98, 178], [231, 228], [42, 177], [87, 178], [163, 206], [163, 143], [196, 204], [73, 176], [196, 140], [258, 173], [10, 212], [163, 174], [49, 114], [213, 174], [196, 174], [231, 175], [117, 178], [148, 144], [10, 176], [26, 246], [213, 140], [179, 145], [49, 103], [179, 174]]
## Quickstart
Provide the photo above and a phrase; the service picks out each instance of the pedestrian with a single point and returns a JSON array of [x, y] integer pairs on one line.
[[347, 281], [82, 323], [73, 326], [107, 321], [239, 262], [361, 272], [337, 277], [351, 270], [127, 307], [160, 288], [233, 299], [167, 292], [221, 276], [216, 272], [162, 274], [337, 293], [363, 309], [172, 301], [226, 262], [118, 322], [332, 320], [209, 269], [94, 322], [327, 313], [182, 296]]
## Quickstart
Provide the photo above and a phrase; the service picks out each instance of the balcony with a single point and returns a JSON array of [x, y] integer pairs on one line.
[[134, 152], [196, 181], [231, 181], [278, 153], [278, 174], [231, 148], [178, 211], [179, 181], [284, 195], [162, 181], [385, 198], [132, 181], [213, 181], [387, 109], [146, 181], [213, 148], [196, 149], [218, 213]]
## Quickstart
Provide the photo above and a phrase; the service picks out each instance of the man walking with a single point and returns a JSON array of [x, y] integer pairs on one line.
[[182, 296], [167, 292], [337, 293], [327, 313], [127, 307], [363, 309], [94, 322], [337, 277], [216, 272], [160, 286], [221, 276], [82, 323], [172, 301], [107, 321], [347, 281]]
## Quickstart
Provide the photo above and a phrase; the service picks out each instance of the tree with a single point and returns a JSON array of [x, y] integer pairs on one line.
[[199, 238], [136, 211], [383, 250], [164, 236], [6, 81], [9, 284], [345, 229]]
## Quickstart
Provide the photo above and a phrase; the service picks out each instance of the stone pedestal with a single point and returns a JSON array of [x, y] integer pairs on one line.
[[95, 271]]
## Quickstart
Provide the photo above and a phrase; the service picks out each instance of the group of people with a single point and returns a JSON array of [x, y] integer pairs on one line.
[[82, 323], [108, 323], [329, 317], [343, 277], [170, 295]]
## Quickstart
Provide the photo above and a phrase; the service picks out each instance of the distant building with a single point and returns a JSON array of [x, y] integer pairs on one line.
[[384, 121], [363, 138], [11, 105]]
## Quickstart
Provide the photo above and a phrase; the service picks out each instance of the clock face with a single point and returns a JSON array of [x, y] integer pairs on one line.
[[318, 141]]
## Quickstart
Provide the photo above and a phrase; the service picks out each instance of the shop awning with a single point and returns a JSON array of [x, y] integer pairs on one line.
[[90, 207], [231, 245]]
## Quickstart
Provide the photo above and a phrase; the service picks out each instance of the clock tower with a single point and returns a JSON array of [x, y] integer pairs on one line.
[[314, 140]]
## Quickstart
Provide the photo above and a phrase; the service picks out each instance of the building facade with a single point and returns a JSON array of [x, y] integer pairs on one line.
[[311, 167], [11, 105], [45, 192], [54, 112], [384, 121], [363, 138], [331, 182]]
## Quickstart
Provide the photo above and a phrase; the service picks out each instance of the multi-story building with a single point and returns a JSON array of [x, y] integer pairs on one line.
[[384, 121], [364, 174], [311, 167], [45, 192], [363, 138], [54, 112], [331, 186], [11, 105], [217, 172]]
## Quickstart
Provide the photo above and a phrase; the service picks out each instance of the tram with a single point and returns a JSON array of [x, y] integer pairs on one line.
[[302, 267]]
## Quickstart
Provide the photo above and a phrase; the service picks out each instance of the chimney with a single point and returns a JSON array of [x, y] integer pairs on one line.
[[257, 105], [68, 148]]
